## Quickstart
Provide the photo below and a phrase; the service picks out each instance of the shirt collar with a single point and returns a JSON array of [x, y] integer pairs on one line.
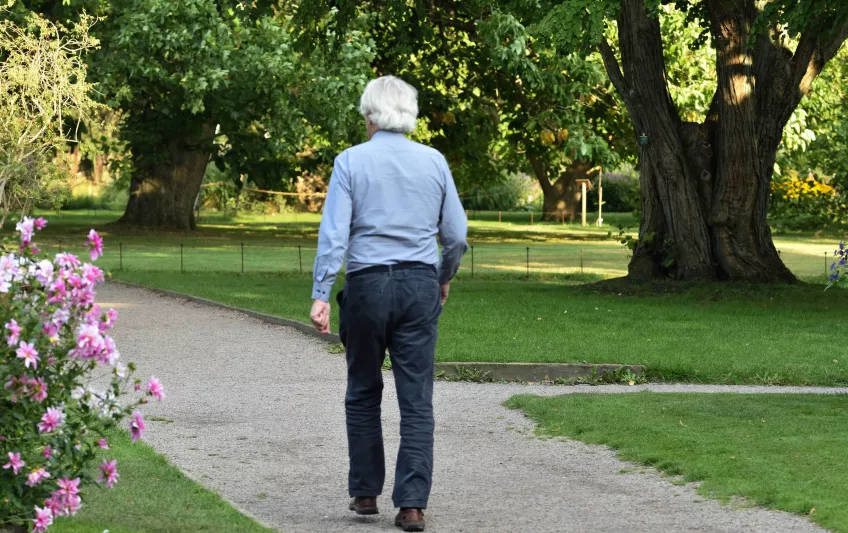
[[381, 134]]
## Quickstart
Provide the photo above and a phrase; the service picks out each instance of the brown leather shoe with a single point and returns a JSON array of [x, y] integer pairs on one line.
[[410, 520], [364, 505]]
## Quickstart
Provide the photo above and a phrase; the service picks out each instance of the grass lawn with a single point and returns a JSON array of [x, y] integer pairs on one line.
[[766, 335], [152, 497], [286, 243], [782, 451]]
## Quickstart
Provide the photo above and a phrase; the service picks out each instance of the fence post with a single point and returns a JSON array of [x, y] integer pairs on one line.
[[300, 258], [472, 261], [563, 217], [121, 260], [242, 258], [500, 219], [182, 268], [528, 262]]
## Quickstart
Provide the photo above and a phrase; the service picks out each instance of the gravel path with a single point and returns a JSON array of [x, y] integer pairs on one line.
[[256, 413]]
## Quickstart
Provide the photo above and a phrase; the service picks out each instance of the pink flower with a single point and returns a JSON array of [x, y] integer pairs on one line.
[[51, 420], [40, 223], [27, 227], [58, 292], [28, 354], [67, 260], [137, 426], [92, 274], [103, 444], [154, 388], [39, 389], [14, 463], [43, 519], [111, 317], [89, 341], [37, 476], [45, 272], [108, 473], [48, 452], [68, 487], [14, 332], [95, 244]]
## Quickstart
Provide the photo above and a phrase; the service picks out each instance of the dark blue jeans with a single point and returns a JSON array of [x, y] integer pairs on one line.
[[398, 310]]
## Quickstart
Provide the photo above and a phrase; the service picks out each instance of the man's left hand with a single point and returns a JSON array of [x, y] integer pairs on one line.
[[320, 316]]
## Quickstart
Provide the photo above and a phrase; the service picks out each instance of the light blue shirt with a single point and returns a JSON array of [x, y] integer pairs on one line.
[[387, 201]]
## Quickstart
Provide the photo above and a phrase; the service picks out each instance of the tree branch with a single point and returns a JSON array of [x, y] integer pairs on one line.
[[541, 173], [813, 52], [614, 69]]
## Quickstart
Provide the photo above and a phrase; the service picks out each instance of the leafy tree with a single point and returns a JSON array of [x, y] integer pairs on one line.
[[705, 185], [44, 93], [492, 97], [197, 81]]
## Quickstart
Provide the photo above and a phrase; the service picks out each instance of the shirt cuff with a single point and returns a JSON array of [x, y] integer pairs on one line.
[[321, 291]]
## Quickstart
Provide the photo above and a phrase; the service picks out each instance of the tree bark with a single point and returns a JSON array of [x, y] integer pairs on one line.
[[561, 198], [163, 193], [705, 187]]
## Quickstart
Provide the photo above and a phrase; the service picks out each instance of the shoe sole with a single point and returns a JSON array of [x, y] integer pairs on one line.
[[410, 526], [364, 511]]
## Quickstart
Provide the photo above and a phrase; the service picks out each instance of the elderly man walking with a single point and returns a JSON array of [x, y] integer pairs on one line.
[[388, 199]]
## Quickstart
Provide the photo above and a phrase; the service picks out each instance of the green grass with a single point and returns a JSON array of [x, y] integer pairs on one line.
[[782, 451], [286, 243], [716, 334], [152, 496]]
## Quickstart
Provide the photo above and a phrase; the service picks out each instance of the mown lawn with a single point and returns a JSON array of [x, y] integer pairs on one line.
[[152, 496], [782, 451], [715, 334], [286, 243]]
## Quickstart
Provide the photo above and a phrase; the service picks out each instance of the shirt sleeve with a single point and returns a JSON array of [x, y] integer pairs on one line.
[[453, 228], [334, 233]]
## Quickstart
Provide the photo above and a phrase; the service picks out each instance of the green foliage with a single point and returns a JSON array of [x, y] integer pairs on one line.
[[823, 127], [621, 194], [180, 70], [807, 202], [44, 93], [506, 195]]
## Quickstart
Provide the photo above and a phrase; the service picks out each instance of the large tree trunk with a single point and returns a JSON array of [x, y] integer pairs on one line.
[[705, 187], [163, 193], [561, 197]]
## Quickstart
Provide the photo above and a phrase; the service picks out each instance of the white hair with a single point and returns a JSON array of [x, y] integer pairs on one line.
[[390, 104]]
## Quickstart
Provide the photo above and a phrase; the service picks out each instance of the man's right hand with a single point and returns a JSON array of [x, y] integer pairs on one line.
[[445, 290]]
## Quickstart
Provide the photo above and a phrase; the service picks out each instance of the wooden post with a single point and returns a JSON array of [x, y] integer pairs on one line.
[[563, 217], [601, 197], [500, 217], [583, 201]]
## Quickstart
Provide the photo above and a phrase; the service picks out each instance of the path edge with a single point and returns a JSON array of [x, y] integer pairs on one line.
[[511, 372], [302, 327]]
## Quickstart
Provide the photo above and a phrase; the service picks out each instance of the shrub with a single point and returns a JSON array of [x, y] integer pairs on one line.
[[621, 194], [54, 345], [805, 203]]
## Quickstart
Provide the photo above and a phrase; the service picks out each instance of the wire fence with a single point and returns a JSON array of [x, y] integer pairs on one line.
[[599, 259]]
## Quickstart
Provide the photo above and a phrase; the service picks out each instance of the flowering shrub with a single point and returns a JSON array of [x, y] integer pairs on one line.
[[54, 351], [805, 203], [839, 267]]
